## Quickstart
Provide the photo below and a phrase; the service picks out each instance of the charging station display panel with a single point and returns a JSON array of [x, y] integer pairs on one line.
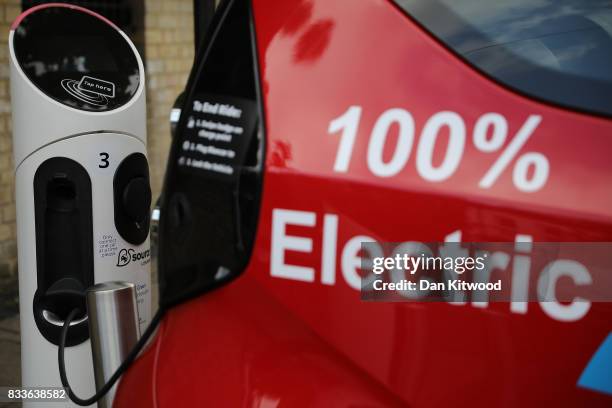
[[76, 58]]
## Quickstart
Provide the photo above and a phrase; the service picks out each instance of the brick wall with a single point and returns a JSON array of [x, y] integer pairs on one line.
[[9, 10], [169, 53], [168, 59]]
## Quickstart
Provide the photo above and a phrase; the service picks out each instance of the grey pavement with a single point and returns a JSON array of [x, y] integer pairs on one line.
[[10, 355]]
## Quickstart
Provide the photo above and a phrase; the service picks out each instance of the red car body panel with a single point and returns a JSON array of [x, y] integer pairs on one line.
[[266, 341], [263, 349]]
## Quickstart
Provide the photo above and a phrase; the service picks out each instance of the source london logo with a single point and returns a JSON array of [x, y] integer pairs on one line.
[[129, 255], [125, 256]]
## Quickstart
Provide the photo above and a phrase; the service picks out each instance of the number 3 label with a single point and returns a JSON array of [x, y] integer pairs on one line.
[[104, 160]]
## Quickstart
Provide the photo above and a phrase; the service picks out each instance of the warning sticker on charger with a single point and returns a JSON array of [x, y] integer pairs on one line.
[[216, 135]]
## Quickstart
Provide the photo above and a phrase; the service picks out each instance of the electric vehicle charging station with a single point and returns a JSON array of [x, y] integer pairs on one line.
[[82, 180]]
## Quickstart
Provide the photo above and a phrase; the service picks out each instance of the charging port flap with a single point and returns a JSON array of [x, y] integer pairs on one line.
[[210, 203]]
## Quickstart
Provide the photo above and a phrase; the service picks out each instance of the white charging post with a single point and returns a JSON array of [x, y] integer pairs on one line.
[[82, 180]]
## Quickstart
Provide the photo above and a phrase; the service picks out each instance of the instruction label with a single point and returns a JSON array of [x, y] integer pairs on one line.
[[107, 246], [216, 135]]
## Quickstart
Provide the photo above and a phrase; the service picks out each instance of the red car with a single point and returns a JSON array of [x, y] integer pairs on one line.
[[312, 126]]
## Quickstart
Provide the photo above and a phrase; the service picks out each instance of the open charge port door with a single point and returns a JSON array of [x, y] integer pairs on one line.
[[210, 204]]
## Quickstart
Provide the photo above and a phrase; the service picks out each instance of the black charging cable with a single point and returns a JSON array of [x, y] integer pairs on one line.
[[124, 365]]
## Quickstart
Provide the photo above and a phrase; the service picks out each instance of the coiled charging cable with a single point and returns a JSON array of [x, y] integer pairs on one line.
[[124, 365]]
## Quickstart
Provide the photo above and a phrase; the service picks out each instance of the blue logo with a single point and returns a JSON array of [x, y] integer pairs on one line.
[[597, 375]]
